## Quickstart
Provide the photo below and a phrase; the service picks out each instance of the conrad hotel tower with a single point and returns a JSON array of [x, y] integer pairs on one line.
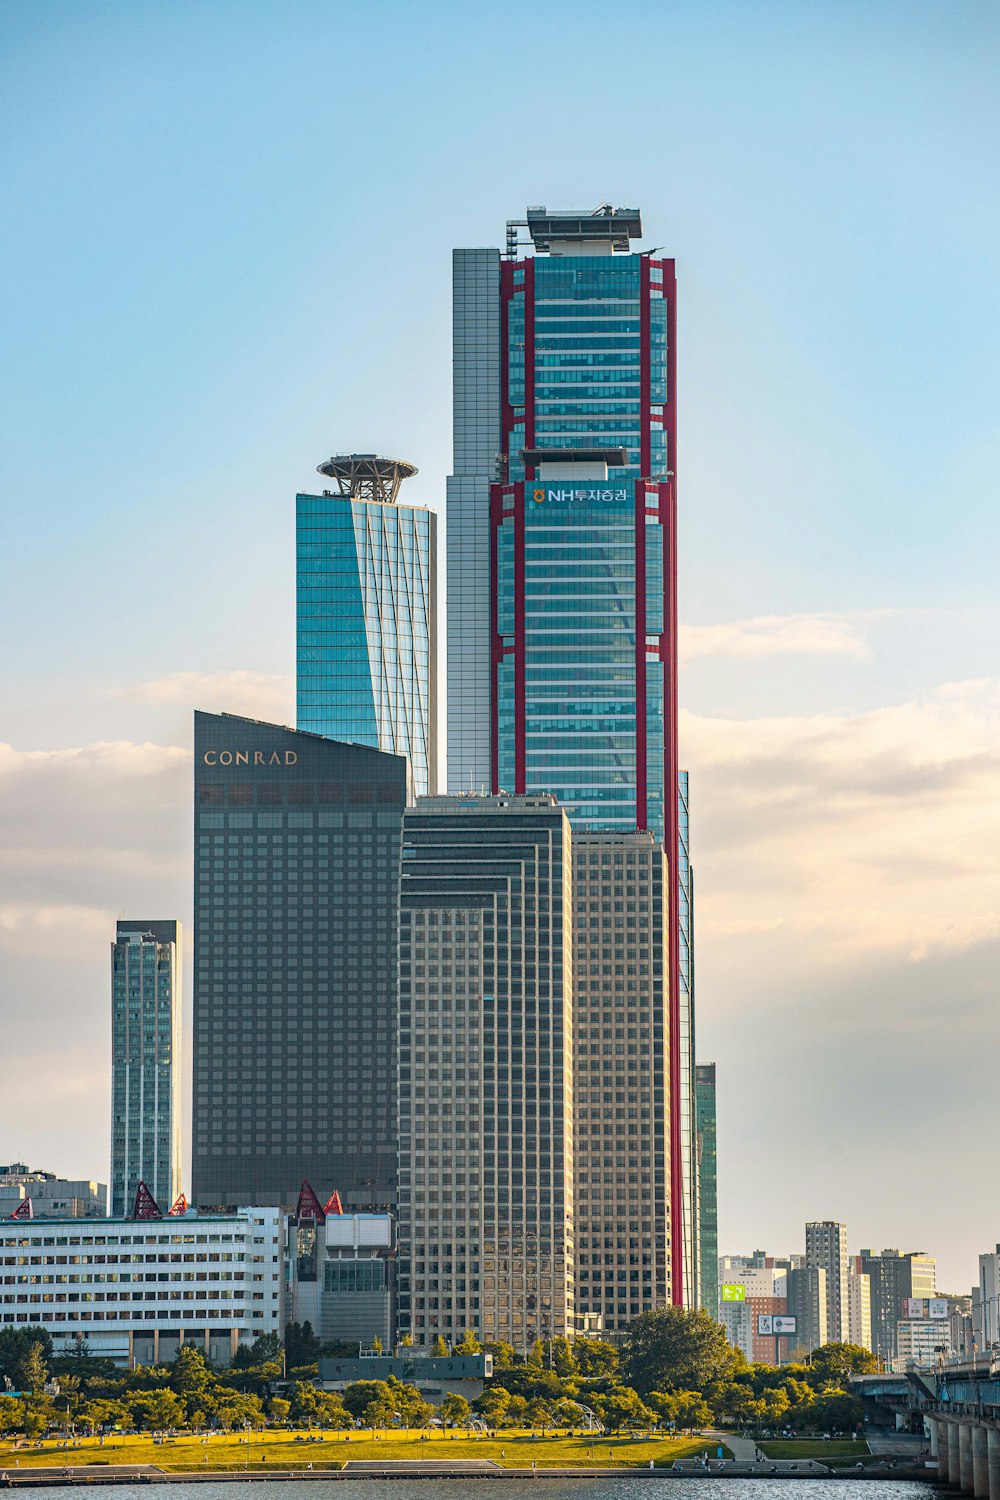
[[562, 651]]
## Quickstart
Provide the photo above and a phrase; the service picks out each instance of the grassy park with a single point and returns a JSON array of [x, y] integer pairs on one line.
[[827, 1450], [287, 1450]]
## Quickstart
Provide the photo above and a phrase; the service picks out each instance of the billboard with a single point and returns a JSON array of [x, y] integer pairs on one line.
[[937, 1307], [914, 1307], [733, 1292], [777, 1324]]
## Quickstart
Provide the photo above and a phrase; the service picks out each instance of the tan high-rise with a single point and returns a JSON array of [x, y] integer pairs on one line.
[[621, 1085]]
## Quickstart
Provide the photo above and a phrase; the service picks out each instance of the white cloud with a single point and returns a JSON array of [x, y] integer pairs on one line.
[[257, 695], [778, 635], [822, 838]]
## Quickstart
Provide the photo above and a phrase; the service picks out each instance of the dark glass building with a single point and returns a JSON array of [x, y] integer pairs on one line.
[[297, 850], [708, 1187]]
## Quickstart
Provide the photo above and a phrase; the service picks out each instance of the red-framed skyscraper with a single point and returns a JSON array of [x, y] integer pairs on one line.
[[562, 565]]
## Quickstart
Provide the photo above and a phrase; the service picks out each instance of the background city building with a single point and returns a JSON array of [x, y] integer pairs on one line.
[[146, 1015], [562, 561], [297, 847], [986, 1301], [893, 1277], [366, 614], [859, 1304], [486, 1207], [826, 1249], [808, 1303], [136, 1289], [620, 1104], [708, 1202], [340, 1272], [51, 1197]]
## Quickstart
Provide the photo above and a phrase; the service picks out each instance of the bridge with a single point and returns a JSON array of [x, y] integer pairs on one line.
[[958, 1404]]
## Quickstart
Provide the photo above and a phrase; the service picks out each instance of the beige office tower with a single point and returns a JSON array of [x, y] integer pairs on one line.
[[485, 1070], [621, 1084], [826, 1250]]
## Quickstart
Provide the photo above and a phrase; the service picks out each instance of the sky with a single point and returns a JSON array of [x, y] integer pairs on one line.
[[226, 247]]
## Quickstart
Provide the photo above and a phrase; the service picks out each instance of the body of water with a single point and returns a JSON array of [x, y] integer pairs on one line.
[[672, 1487]]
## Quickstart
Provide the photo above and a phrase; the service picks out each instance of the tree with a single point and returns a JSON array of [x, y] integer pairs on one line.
[[189, 1372], [492, 1405], [536, 1356], [31, 1371], [12, 1413], [677, 1349], [378, 1413], [440, 1348], [406, 1342], [517, 1411], [360, 1392], [836, 1411], [502, 1352], [836, 1362], [685, 1410], [95, 1414], [454, 1410], [539, 1414], [469, 1344], [594, 1357], [301, 1345], [376, 1345], [622, 1407], [15, 1344], [563, 1359]]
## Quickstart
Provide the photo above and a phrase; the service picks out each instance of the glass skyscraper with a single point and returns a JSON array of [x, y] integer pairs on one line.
[[146, 969], [562, 604], [366, 614], [297, 858], [708, 1188]]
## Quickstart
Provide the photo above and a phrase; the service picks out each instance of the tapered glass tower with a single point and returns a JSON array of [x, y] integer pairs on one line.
[[366, 613]]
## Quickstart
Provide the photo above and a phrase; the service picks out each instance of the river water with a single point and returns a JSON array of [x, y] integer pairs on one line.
[[665, 1487]]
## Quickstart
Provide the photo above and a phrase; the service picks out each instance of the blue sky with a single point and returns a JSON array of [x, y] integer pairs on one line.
[[226, 247]]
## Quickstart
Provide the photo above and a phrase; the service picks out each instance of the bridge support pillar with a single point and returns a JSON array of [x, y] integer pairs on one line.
[[965, 1457], [993, 1460], [932, 1428], [980, 1463], [952, 1465]]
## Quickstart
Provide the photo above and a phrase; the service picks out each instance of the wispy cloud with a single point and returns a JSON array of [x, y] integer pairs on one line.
[[781, 635], [259, 695], [823, 837]]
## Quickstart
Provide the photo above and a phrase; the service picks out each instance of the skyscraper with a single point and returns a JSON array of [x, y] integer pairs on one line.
[[366, 613], [146, 978], [894, 1277], [562, 638], [708, 1191], [486, 1207], [297, 850], [826, 1249], [620, 1096]]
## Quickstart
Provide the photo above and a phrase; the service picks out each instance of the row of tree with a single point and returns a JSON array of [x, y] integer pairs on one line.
[[675, 1370]]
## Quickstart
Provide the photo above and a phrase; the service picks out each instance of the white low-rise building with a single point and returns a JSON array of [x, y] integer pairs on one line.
[[136, 1289]]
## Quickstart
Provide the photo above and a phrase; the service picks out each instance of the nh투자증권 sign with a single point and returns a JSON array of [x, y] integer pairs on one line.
[[577, 494]]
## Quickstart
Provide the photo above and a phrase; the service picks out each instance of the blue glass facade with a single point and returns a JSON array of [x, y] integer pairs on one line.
[[146, 1063], [366, 627], [686, 1077]]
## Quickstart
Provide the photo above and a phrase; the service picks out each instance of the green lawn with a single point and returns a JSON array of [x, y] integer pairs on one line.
[[278, 1450], [837, 1448]]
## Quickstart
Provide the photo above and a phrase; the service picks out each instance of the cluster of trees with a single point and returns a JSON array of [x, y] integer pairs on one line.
[[675, 1370]]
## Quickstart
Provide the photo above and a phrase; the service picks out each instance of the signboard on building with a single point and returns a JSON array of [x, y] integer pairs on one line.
[[915, 1307], [937, 1307], [777, 1324], [733, 1292], [578, 494]]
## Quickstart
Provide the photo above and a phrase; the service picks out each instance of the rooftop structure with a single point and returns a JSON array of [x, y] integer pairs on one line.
[[567, 231], [365, 476]]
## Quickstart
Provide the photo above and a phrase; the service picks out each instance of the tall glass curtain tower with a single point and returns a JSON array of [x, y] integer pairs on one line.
[[145, 1062], [366, 614], [562, 632]]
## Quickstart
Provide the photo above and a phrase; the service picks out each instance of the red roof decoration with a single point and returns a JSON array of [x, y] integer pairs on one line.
[[333, 1204], [308, 1205], [180, 1207], [145, 1205], [24, 1210]]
